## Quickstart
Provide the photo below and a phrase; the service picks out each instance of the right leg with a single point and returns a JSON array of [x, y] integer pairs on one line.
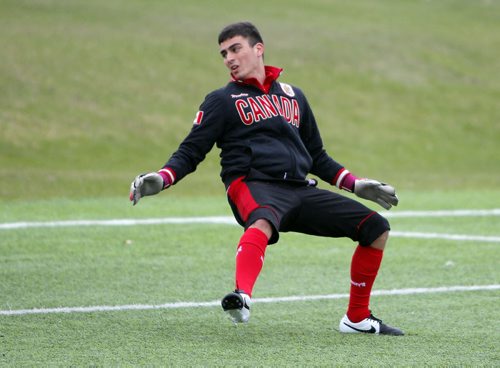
[[256, 206], [250, 255], [249, 262]]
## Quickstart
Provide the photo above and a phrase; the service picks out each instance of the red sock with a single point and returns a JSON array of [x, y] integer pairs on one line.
[[249, 259], [364, 268]]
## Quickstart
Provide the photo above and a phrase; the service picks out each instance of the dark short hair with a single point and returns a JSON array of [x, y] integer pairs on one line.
[[244, 29]]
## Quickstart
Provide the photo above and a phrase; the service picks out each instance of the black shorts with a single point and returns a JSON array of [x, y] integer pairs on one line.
[[303, 209]]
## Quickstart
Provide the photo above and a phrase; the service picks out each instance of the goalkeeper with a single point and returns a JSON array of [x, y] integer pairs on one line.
[[269, 141]]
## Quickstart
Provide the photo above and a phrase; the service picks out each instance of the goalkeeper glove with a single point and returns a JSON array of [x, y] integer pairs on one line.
[[373, 190], [381, 193], [150, 184]]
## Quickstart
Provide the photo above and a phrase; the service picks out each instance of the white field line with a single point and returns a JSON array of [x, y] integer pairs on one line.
[[285, 299], [457, 237], [228, 220], [443, 213], [122, 222]]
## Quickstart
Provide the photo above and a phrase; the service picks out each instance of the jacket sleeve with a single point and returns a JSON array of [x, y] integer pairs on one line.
[[207, 128], [323, 165]]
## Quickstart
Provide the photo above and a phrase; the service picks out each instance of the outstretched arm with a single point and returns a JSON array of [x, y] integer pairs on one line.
[[333, 172], [207, 127], [150, 184]]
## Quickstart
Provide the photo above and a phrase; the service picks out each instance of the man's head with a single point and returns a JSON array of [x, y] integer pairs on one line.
[[244, 29], [242, 48]]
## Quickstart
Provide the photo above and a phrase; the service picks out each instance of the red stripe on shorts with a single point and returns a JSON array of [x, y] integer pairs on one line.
[[240, 195], [364, 220]]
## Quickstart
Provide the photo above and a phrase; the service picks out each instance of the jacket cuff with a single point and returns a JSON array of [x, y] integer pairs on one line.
[[344, 180], [168, 176]]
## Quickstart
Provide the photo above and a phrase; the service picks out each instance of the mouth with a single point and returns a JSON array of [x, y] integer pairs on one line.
[[234, 68]]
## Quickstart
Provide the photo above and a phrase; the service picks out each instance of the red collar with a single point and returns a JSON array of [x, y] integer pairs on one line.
[[272, 73]]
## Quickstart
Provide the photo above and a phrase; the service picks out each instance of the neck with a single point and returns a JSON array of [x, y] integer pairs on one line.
[[261, 75], [271, 73]]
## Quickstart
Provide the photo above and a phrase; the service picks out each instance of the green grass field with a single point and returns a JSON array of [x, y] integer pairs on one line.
[[92, 266], [93, 93]]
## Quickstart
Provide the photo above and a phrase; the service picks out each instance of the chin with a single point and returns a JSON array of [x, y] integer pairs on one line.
[[238, 76]]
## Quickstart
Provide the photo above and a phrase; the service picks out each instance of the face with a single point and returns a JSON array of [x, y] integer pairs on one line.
[[243, 60]]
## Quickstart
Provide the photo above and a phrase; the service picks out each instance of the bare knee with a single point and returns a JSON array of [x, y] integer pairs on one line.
[[381, 241], [264, 226]]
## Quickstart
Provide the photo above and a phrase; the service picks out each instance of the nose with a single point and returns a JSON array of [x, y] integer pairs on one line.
[[229, 61], [230, 58]]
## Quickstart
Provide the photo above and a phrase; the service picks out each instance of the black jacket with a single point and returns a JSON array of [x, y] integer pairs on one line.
[[273, 134]]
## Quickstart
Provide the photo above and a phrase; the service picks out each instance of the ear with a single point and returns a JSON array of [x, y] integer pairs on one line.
[[259, 47]]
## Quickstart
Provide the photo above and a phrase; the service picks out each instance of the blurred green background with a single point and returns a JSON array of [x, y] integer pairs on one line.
[[94, 92]]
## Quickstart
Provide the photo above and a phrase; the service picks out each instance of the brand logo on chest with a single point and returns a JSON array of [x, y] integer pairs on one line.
[[258, 108]]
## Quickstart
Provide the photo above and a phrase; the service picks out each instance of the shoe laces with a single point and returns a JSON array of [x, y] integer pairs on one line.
[[373, 318]]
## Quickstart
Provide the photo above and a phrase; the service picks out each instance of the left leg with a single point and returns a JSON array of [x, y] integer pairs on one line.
[[329, 214], [364, 268], [365, 264]]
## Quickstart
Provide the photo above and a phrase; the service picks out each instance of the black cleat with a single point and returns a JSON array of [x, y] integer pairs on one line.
[[237, 306]]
